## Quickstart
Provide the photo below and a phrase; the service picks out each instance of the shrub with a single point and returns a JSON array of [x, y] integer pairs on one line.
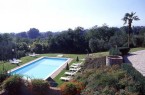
[[137, 76], [114, 51], [13, 85], [3, 76], [67, 66], [20, 54], [77, 59], [68, 89], [72, 88], [124, 50], [91, 63], [39, 87]]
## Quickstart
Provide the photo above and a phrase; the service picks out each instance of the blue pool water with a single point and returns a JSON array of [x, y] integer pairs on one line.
[[41, 68]]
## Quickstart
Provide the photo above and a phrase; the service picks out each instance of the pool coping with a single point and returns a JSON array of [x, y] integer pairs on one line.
[[53, 74]]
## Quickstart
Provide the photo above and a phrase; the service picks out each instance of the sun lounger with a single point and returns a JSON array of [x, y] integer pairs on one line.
[[77, 64], [70, 73], [32, 55], [75, 69], [17, 60], [82, 59], [65, 78], [13, 62], [74, 66], [61, 55]]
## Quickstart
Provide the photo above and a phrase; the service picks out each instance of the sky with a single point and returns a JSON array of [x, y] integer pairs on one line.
[[57, 15]]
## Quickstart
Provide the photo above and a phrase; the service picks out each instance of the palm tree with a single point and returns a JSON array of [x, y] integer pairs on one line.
[[129, 18]]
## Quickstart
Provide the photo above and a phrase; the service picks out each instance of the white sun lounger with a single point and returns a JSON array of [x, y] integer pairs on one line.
[[75, 69], [65, 78], [61, 55], [70, 73], [74, 66], [83, 59], [17, 60], [32, 55], [13, 62], [77, 64]]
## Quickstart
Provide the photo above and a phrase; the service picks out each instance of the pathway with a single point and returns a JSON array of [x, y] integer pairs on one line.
[[137, 59]]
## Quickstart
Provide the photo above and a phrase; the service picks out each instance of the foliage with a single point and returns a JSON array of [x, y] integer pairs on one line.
[[71, 88], [67, 66], [94, 62], [114, 51], [3, 76], [33, 33], [13, 85], [129, 17], [39, 87], [77, 59], [74, 41], [119, 38], [111, 80], [93, 45]]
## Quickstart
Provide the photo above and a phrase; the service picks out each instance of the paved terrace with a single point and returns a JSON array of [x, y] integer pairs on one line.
[[138, 60]]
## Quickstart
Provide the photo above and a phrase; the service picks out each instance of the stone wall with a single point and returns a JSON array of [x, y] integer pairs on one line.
[[111, 60]]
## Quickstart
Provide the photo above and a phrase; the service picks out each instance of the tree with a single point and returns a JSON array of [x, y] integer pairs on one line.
[[33, 33], [129, 18], [22, 34]]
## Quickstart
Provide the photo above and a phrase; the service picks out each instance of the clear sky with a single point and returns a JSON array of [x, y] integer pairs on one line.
[[56, 15]]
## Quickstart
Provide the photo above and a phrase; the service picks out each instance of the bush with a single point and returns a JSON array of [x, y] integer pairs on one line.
[[77, 59], [3, 76], [67, 66], [114, 51], [40, 87], [68, 89], [13, 85], [124, 50], [91, 63], [137, 76], [20, 54]]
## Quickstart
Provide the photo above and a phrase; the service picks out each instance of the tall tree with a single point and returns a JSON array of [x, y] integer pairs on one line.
[[33, 33], [129, 17]]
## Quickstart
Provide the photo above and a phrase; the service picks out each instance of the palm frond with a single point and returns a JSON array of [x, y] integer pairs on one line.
[[125, 19], [125, 22], [126, 15], [136, 18], [132, 14]]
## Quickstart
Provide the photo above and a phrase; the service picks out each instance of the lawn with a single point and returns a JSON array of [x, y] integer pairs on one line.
[[137, 49], [26, 59]]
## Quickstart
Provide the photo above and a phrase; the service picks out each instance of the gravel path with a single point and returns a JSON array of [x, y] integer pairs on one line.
[[137, 59]]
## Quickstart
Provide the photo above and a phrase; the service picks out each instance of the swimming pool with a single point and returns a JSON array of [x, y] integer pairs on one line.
[[41, 68]]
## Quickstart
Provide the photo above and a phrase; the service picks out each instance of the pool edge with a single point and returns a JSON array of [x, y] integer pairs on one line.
[[53, 74]]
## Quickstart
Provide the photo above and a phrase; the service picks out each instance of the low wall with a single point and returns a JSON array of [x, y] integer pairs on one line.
[[60, 69], [111, 60]]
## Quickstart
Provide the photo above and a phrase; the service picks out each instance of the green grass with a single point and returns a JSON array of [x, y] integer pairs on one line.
[[136, 49], [26, 59]]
